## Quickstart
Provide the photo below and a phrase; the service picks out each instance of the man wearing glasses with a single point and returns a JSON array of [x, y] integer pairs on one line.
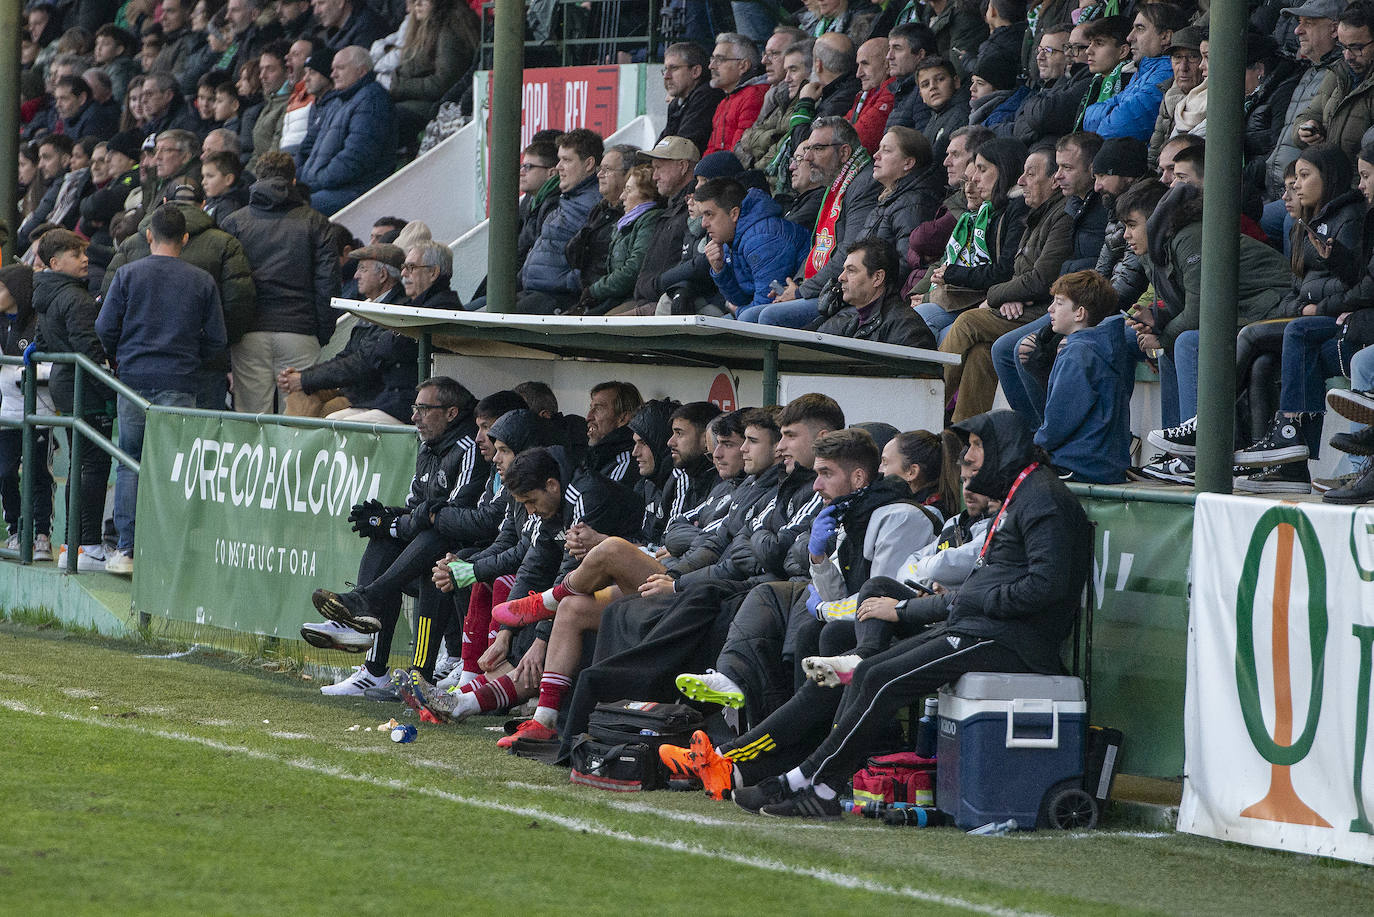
[[1062, 78], [692, 100], [735, 72], [402, 542], [538, 192], [375, 368], [1343, 110]]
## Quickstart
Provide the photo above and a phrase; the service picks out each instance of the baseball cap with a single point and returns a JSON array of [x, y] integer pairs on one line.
[[1318, 9], [673, 148]]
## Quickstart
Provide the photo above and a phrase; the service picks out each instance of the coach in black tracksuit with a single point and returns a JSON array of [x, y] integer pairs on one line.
[[1012, 614]]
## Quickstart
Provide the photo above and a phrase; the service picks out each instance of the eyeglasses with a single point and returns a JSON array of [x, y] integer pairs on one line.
[[411, 266], [607, 170], [1047, 52], [1075, 49], [1354, 47], [531, 166], [717, 59], [420, 408], [811, 150]]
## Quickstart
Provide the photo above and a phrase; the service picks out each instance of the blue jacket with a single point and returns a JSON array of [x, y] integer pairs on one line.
[[1133, 110], [1087, 428], [161, 321], [546, 267], [355, 147], [765, 248]]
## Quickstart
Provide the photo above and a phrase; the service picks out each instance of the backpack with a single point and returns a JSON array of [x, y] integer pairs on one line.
[[619, 750]]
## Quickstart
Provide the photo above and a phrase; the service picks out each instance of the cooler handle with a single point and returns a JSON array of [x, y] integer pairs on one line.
[[1032, 705]]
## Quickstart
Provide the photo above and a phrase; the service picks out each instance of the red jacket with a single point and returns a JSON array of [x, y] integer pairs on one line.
[[735, 114], [869, 115]]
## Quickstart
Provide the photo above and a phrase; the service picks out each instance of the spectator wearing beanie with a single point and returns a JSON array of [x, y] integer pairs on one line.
[[994, 93]]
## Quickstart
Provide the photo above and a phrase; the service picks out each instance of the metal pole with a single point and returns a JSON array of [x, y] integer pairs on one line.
[[426, 358], [78, 441], [508, 50], [10, 18], [1221, 248], [27, 464], [770, 373]]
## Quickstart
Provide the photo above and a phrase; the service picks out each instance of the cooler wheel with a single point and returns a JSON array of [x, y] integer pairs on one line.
[[1070, 808]]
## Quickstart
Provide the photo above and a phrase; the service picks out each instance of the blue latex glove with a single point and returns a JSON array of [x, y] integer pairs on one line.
[[822, 529], [813, 600], [29, 352]]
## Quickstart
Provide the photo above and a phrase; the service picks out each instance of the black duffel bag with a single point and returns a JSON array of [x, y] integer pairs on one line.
[[619, 750]]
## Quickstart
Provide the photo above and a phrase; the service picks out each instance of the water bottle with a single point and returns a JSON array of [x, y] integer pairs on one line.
[[996, 828], [907, 817], [927, 729]]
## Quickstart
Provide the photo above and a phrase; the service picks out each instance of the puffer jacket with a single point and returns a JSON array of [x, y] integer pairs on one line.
[[709, 513], [589, 249], [1322, 282], [448, 470], [1050, 112], [215, 252], [66, 324], [611, 457], [1045, 246], [765, 248], [267, 129], [295, 266], [1309, 84], [915, 199], [869, 114], [1003, 43], [628, 248], [424, 79], [735, 114], [1025, 593], [355, 146], [1132, 111], [546, 268], [712, 555], [1089, 215], [1343, 107], [1164, 123], [959, 32], [908, 109]]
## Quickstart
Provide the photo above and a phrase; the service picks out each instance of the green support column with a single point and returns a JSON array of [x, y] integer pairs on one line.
[[770, 373], [10, 18], [504, 174], [426, 359], [1220, 247]]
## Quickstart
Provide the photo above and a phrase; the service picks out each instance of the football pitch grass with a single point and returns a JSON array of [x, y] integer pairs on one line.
[[204, 785]]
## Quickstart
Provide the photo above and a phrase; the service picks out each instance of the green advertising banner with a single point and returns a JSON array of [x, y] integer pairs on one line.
[[1140, 629], [238, 522]]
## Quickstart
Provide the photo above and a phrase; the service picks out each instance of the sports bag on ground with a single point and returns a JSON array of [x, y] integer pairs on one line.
[[619, 750]]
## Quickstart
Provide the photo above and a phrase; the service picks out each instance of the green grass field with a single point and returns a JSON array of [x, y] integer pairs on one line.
[[205, 785]]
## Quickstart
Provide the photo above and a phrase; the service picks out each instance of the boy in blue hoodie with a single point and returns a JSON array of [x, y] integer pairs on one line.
[[1088, 410]]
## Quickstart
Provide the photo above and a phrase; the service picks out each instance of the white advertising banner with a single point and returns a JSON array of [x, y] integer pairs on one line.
[[1279, 677]]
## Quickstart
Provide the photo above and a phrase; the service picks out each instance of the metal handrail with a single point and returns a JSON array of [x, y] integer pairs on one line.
[[83, 431]]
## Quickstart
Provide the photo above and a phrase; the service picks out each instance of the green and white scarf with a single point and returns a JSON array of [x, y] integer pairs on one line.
[[968, 243]]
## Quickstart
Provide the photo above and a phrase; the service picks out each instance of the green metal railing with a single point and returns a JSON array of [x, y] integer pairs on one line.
[[83, 431]]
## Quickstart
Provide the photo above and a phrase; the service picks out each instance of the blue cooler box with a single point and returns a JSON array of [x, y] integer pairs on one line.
[[1005, 741]]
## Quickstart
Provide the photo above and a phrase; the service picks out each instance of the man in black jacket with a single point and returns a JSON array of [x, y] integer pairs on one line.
[[402, 546], [375, 369], [907, 46], [692, 99], [295, 273], [674, 160], [1012, 614], [874, 310]]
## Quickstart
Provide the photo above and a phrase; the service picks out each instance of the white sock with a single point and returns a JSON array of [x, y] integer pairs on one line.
[[823, 791], [467, 705], [550, 602], [466, 677], [546, 716], [796, 780]]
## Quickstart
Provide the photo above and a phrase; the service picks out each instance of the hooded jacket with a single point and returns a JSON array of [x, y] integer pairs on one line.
[[519, 430], [878, 526], [1024, 592], [66, 324], [1087, 426], [449, 470], [765, 248], [212, 250], [612, 457], [1132, 111], [295, 266], [546, 268], [1344, 107], [652, 423], [1309, 83]]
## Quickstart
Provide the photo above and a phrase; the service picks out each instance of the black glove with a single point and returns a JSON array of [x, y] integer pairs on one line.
[[421, 515], [375, 521], [361, 511]]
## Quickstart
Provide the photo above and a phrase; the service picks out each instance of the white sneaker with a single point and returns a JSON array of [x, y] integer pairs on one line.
[[831, 671], [331, 635], [355, 684], [119, 562], [453, 680], [12, 543], [42, 547], [90, 558]]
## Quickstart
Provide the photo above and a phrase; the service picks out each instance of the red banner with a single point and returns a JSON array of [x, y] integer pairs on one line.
[[563, 98]]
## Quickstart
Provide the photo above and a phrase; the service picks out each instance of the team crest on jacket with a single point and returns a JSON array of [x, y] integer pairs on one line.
[[440, 478]]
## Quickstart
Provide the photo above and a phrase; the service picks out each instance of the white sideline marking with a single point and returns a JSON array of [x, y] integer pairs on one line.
[[183, 653], [644, 809], [829, 877]]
